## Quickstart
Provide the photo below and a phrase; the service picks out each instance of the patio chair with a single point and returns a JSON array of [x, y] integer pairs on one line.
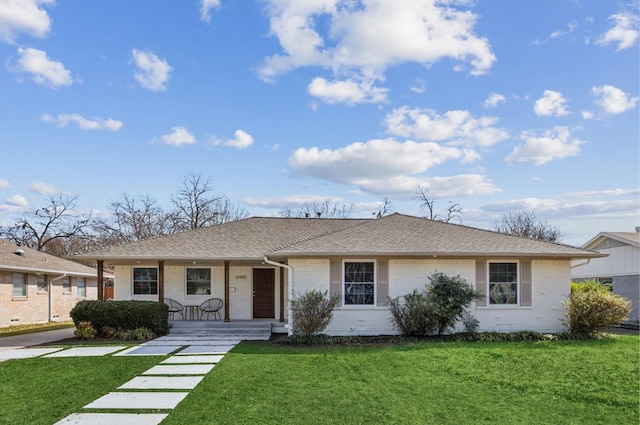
[[174, 307], [211, 306]]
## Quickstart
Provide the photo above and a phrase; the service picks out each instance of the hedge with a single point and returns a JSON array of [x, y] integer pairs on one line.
[[123, 315]]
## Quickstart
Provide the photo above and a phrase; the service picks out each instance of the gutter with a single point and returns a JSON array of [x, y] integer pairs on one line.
[[290, 292], [44, 271], [50, 283]]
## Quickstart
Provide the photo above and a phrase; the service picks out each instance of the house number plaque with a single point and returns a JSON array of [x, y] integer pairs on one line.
[[241, 276]]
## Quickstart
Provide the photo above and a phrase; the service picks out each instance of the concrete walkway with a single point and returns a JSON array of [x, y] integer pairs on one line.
[[36, 338]]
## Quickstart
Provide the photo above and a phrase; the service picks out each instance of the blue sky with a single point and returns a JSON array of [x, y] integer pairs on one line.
[[496, 105]]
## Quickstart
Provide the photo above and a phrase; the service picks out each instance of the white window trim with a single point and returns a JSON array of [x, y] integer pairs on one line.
[[210, 282], [144, 296], [518, 281], [375, 283]]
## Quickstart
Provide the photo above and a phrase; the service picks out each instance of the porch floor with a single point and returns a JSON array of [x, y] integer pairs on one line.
[[237, 329]]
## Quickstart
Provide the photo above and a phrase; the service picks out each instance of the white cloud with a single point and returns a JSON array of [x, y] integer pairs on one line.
[[587, 115], [347, 91], [205, 9], [553, 144], [624, 32], [438, 187], [152, 72], [551, 103], [375, 159], [17, 201], [612, 100], [456, 128], [24, 16], [292, 201], [4, 184], [178, 137], [419, 86], [241, 141], [493, 100], [44, 71], [84, 123], [365, 38], [571, 27], [599, 193], [43, 188]]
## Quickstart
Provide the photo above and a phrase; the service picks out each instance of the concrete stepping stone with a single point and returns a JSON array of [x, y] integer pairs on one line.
[[86, 351], [113, 418], [197, 369], [162, 383], [25, 353], [138, 400], [205, 349], [147, 350], [192, 359]]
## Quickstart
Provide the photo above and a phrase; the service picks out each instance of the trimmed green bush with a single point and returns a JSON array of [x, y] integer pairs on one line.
[[312, 312], [84, 330], [123, 315], [592, 308]]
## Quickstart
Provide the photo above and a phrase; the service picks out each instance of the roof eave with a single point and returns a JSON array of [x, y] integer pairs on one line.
[[15, 268]]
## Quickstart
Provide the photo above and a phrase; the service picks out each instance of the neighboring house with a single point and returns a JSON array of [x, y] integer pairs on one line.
[[36, 287], [620, 269], [257, 264]]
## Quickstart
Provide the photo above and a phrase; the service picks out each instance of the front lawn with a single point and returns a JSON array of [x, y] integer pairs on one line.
[[581, 382]]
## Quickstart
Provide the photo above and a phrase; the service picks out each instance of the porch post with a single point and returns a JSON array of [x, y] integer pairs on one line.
[[226, 292], [100, 280], [282, 271], [161, 281]]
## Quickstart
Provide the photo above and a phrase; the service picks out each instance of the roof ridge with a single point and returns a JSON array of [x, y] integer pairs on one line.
[[357, 222]]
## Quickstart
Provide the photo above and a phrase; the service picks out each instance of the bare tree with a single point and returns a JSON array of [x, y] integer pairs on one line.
[[325, 209], [195, 205], [453, 211], [525, 224], [51, 227], [132, 220], [383, 209]]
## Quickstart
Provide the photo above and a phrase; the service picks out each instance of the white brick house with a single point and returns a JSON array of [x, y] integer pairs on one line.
[[257, 264]]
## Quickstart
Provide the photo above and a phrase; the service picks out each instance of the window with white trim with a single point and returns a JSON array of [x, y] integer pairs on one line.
[[66, 285], [503, 283], [198, 281], [81, 284], [359, 282], [19, 284], [42, 284], [145, 281]]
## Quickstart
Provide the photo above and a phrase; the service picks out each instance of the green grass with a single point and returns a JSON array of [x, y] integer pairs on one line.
[[573, 382], [27, 329], [43, 391]]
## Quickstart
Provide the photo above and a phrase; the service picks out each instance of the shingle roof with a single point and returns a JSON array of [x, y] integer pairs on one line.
[[36, 261], [631, 238], [394, 235]]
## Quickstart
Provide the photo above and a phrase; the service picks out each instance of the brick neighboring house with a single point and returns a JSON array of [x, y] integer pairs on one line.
[[258, 264], [36, 287]]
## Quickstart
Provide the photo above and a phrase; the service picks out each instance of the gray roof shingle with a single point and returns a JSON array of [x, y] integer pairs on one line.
[[36, 261], [393, 235]]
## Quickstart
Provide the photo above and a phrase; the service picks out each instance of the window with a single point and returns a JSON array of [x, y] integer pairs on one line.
[[82, 287], [66, 285], [145, 281], [503, 283], [359, 282], [198, 281], [19, 284], [42, 283]]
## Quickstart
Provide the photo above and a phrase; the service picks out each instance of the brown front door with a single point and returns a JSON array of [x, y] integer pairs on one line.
[[264, 282]]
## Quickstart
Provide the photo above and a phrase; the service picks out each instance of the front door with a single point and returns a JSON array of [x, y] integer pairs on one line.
[[264, 282]]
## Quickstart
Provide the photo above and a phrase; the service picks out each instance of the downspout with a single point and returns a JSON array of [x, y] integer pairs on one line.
[[51, 295], [290, 292], [581, 264]]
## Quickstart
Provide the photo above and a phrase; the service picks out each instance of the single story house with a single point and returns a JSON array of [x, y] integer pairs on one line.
[[36, 287], [256, 265], [621, 268]]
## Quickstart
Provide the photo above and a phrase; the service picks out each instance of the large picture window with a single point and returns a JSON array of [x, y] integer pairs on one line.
[[503, 283], [19, 284], [359, 283], [198, 281], [145, 281]]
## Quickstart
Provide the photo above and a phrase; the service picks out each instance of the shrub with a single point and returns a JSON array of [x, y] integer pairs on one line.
[[592, 308], [312, 312], [84, 330], [138, 334], [123, 315], [436, 308]]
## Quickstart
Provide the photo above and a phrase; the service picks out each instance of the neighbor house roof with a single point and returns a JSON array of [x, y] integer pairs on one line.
[[22, 259], [394, 235], [624, 238]]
